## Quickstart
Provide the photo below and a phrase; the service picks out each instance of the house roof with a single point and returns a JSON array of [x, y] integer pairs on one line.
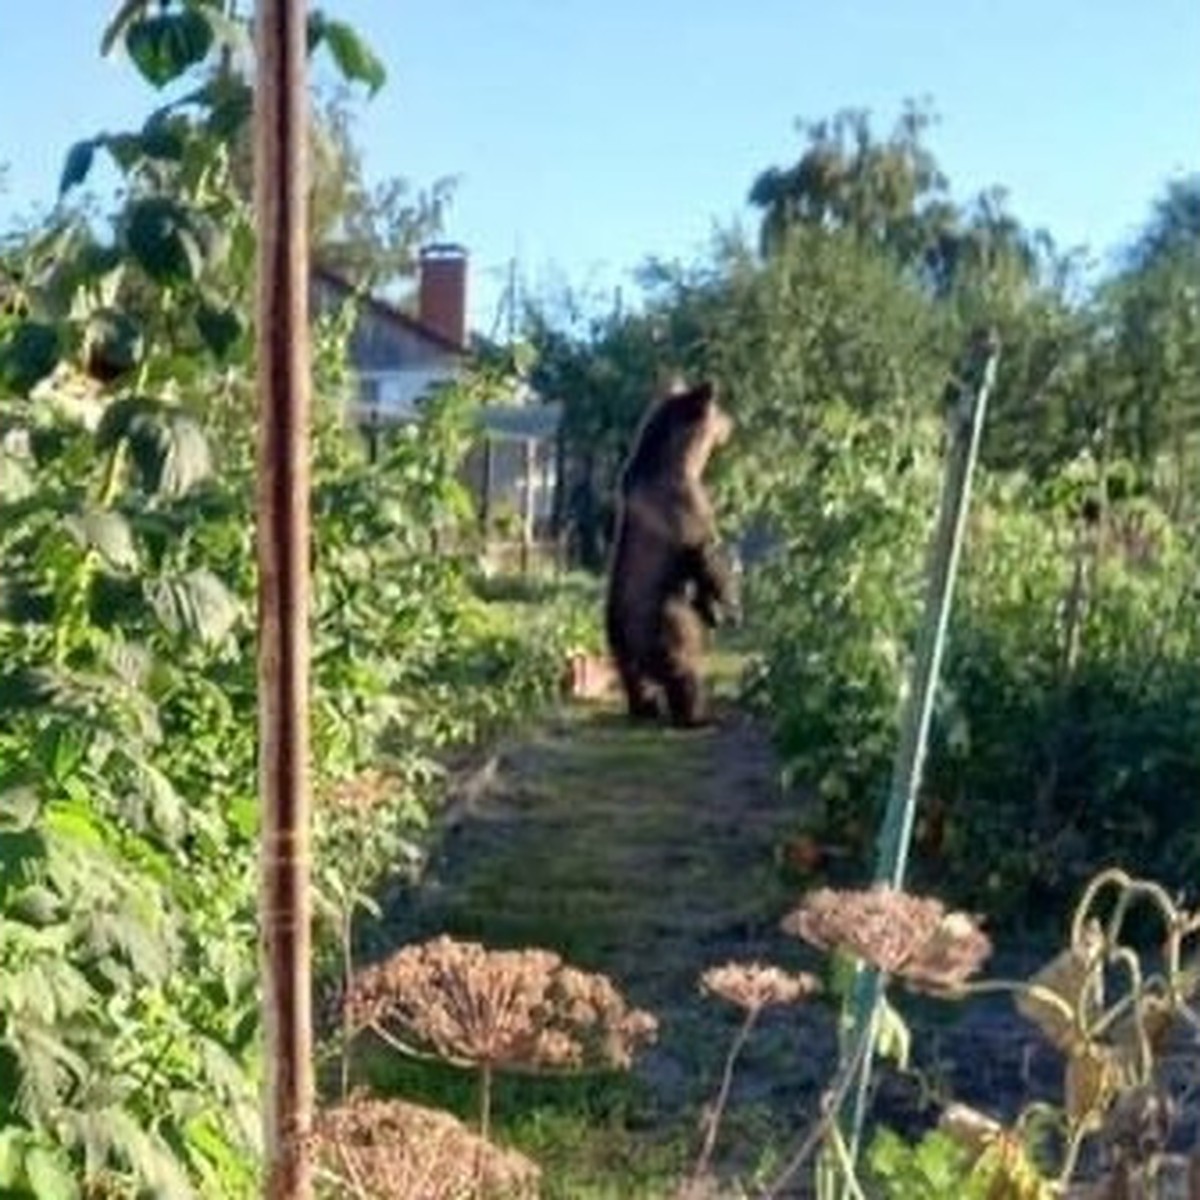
[[387, 311]]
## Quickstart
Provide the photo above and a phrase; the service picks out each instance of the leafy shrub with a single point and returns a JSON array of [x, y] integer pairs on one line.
[[129, 996], [1061, 737], [1068, 687]]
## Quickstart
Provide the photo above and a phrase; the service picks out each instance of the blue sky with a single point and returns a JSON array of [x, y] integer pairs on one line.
[[587, 136]]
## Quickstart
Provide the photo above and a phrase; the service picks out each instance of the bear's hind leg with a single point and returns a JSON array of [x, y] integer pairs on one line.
[[685, 699], [640, 694]]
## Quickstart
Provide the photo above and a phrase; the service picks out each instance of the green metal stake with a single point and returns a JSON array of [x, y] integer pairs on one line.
[[966, 422]]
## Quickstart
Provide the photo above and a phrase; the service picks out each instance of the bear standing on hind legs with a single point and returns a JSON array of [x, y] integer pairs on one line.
[[666, 578]]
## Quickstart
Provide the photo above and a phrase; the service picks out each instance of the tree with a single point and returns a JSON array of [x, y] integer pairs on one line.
[[891, 193], [368, 233], [1150, 324], [1173, 231], [992, 271], [604, 377]]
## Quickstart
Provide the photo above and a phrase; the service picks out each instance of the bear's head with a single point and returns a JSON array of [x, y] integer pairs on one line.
[[679, 434]]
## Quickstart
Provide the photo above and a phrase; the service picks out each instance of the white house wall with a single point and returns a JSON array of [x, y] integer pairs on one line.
[[395, 395]]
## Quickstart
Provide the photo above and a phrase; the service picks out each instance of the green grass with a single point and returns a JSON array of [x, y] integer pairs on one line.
[[590, 1134], [642, 852]]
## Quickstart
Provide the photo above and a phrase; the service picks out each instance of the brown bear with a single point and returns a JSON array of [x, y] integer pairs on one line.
[[667, 578]]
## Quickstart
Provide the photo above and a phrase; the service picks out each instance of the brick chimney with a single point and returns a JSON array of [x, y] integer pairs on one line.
[[442, 298]]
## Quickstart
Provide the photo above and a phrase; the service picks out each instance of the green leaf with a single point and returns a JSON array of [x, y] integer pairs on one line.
[[197, 604], [51, 444], [61, 748], [170, 449], [163, 137], [892, 1037], [19, 808], [230, 103], [78, 164], [128, 937], [108, 533], [120, 419], [131, 662], [26, 687], [163, 47], [185, 457], [16, 481], [50, 1175], [840, 976], [36, 905], [113, 344], [124, 15], [161, 237], [939, 1159], [219, 327], [888, 1152], [151, 1158], [936, 1168], [13, 1143], [29, 351], [165, 809], [354, 58], [74, 825], [125, 148]]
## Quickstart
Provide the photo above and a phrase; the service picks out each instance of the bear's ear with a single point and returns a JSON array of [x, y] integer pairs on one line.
[[693, 404]]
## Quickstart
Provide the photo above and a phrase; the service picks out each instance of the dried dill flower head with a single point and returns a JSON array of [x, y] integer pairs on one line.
[[912, 937], [498, 1007], [752, 986], [389, 1149]]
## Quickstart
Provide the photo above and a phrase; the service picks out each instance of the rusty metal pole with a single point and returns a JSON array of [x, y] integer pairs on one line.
[[281, 202]]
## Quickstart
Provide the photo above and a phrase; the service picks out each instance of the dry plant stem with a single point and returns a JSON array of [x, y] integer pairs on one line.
[[1130, 889], [841, 1153], [718, 1110], [987, 987], [1192, 1019], [485, 1099], [833, 1104], [485, 1124], [1137, 989], [1071, 1158], [347, 976], [1141, 889], [1154, 986], [467, 1064], [403, 1047], [352, 1176]]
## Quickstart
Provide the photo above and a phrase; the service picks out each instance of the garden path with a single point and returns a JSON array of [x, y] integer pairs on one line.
[[652, 854]]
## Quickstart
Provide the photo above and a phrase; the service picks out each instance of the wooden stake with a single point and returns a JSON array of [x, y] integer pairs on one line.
[[281, 192]]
